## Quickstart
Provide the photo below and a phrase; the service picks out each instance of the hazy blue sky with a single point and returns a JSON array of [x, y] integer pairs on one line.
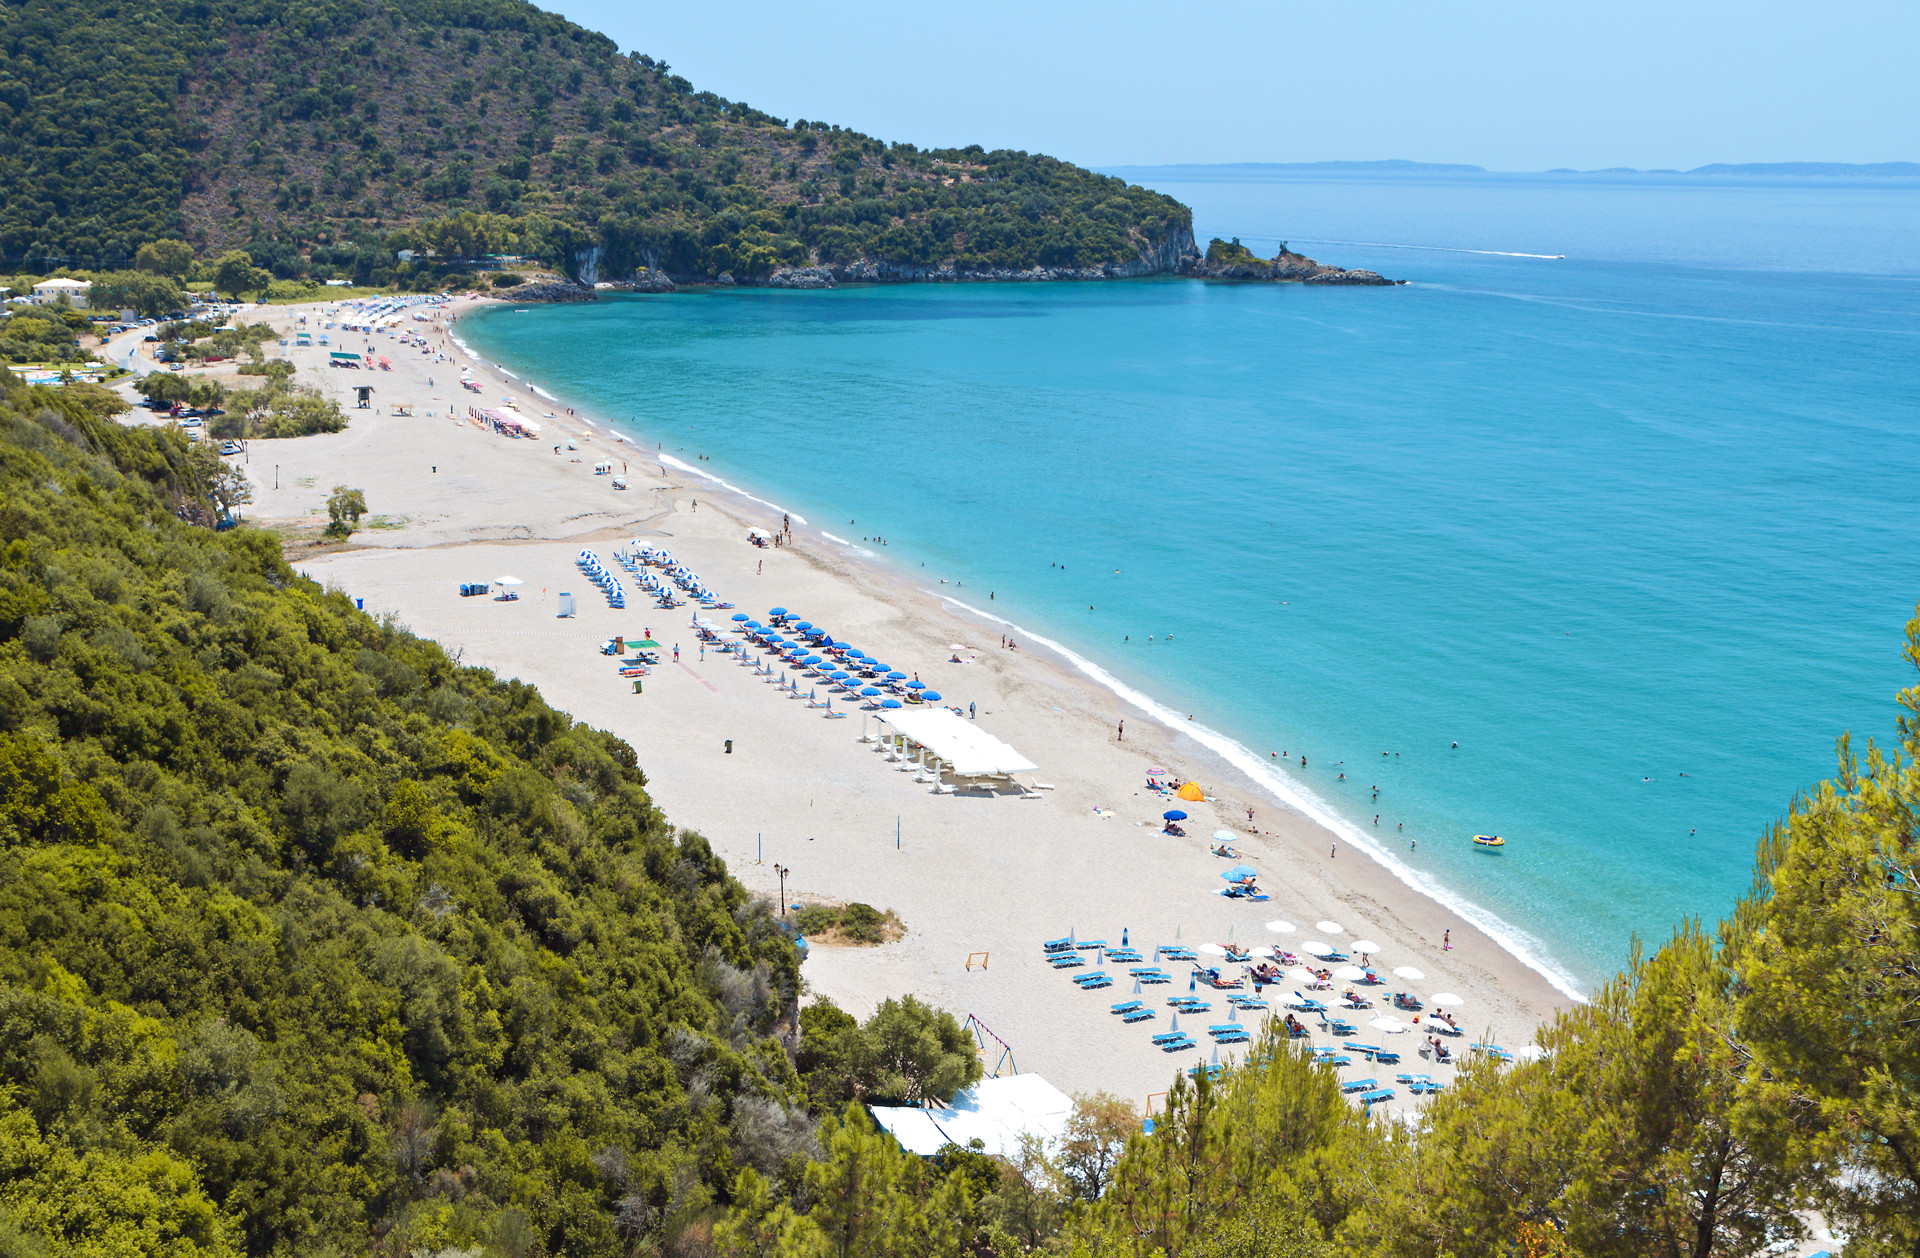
[[1505, 85]]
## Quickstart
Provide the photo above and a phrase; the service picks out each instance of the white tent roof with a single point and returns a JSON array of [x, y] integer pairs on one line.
[[969, 749], [997, 1112]]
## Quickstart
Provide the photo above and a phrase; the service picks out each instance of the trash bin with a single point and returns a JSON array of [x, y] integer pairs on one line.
[[566, 604], [729, 746], [359, 604], [636, 685]]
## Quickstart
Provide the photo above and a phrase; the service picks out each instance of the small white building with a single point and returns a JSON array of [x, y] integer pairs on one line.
[[75, 291]]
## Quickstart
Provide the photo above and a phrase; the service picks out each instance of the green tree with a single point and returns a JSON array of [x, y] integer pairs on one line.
[[221, 483], [914, 1053], [234, 273], [1824, 952], [151, 294], [171, 258], [344, 509], [1097, 1134]]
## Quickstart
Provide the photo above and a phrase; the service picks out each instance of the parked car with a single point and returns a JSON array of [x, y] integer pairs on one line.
[[149, 338], [229, 447]]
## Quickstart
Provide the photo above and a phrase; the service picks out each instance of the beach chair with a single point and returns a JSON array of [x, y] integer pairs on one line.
[[1178, 1046], [1337, 1026], [1366, 1050], [1091, 943], [1141, 1014], [1188, 1004], [1062, 944], [1219, 1029], [1096, 977], [1387, 1056], [1428, 1088], [1128, 1006], [1377, 1095], [1351, 1086], [1176, 952], [1250, 1003], [1165, 1036], [1066, 960], [1152, 977], [1125, 955]]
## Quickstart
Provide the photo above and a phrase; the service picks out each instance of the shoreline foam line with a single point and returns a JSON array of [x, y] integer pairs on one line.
[[1517, 943], [729, 486]]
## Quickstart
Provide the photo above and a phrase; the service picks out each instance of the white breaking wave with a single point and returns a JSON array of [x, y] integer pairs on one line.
[[830, 537], [684, 466], [542, 392], [1525, 948]]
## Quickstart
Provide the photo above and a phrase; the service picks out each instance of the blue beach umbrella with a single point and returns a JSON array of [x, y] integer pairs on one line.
[[889, 703], [869, 691], [896, 676], [931, 696], [856, 655], [804, 625], [916, 685], [839, 674], [1238, 872], [777, 611], [1174, 814], [740, 616]]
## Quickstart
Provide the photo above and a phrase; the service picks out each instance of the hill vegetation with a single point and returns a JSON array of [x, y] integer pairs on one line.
[[326, 136], [314, 941]]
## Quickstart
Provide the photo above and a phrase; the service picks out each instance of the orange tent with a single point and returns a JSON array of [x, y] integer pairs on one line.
[[1192, 791]]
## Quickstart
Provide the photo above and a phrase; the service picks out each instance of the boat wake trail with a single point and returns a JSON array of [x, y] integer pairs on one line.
[[1487, 253]]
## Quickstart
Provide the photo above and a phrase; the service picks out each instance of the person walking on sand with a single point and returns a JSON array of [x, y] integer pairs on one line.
[[1446, 940], [676, 652], [970, 715], [1330, 851], [760, 569], [1123, 730]]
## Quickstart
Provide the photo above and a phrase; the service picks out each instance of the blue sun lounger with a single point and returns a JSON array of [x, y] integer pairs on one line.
[[1088, 982], [1378, 1094], [1066, 960], [1179, 1045], [1332, 1057], [1124, 956], [1248, 1002], [1189, 1004], [1091, 943], [1175, 952], [1337, 1026], [1358, 1085], [1128, 1006], [1492, 1050], [1149, 974], [1062, 944], [1168, 1036], [1229, 1033], [1137, 1015]]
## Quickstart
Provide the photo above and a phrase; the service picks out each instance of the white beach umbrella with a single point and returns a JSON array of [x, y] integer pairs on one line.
[[1280, 928], [506, 580], [1365, 945], [1390, 1025], [1317, 948], [1265, 954], [1329, 928], [1531, 1052], [1300, 974], [1212, 950], [1409, 973], [1350, 973], [1445, 1000]]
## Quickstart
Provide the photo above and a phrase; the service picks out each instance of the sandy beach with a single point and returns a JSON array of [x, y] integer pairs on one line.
[[968, 874]]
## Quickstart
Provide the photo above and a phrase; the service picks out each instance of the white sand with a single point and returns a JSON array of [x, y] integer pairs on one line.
[[970, 873]]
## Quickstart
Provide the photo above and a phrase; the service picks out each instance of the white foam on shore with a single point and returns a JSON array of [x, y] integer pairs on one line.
[[830, 537], [727, 485], [542, 392], [1523, 947]]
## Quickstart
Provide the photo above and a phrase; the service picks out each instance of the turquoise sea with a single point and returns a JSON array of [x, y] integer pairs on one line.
[[1635, 527]]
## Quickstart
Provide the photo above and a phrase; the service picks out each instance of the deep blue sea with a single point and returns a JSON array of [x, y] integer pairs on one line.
[[1634, 526]]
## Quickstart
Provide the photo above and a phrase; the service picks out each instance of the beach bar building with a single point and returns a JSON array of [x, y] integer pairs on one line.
[[75, 291], [996, 1112], [967, 750]]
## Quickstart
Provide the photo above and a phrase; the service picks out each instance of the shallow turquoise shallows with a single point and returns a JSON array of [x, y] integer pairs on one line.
[[1635, 528]]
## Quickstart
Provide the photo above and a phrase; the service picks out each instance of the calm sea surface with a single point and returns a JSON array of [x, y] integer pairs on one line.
[[1635, 527]]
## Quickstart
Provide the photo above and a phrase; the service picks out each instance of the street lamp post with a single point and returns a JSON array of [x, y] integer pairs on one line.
[[783, 871]]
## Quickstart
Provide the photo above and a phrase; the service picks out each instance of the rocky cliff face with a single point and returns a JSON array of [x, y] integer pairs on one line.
[[1175, 255]]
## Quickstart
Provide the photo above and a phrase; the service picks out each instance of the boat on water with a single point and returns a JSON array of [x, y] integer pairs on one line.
[[1489, 840]]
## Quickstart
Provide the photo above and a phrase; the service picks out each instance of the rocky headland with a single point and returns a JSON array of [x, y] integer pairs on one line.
[[1223, 260]]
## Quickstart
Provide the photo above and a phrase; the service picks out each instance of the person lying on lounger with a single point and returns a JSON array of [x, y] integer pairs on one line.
[[1237, 952], [1173, 828], [1226, 850]]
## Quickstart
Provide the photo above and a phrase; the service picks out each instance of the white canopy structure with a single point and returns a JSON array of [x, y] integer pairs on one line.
[[997, 1112], [969, 749]]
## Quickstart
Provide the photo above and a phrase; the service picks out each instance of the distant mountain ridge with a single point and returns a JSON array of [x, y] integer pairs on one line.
[[1400, 167]]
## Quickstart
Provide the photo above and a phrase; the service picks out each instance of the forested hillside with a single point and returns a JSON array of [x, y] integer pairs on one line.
[[312, 939], [325, 135]]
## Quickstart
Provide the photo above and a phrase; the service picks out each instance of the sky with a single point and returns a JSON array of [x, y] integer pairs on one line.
[[1505, 85]]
